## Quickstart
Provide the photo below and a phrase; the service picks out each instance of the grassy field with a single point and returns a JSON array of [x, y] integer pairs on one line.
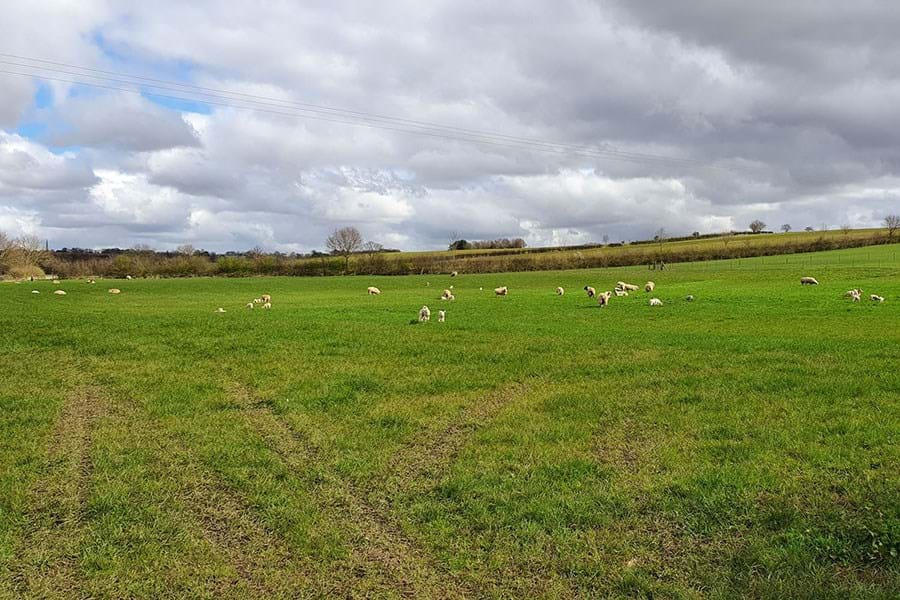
[[533, 445]]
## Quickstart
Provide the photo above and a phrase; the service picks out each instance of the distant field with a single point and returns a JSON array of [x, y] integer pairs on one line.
[[531, 446]]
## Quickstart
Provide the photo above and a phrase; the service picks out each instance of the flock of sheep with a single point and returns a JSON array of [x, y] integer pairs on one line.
[[855, 294]]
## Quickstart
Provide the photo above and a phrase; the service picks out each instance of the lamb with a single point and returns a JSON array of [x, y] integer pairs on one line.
[[808, 281], [876, 298], [853, 292], [91, 281], [855, 297], [454, 274], [441, 316], [250, 305], [603, 299], [59, 293], [257, 301], [649, 287], [655, 302], [620, 293], [373, 291], [560, 291], [446, 294], [220, 310], [501, 291], [591, 292], [689, 298], [266, 298], [128, 277], [267, 305], [424, 314], [114, 291]]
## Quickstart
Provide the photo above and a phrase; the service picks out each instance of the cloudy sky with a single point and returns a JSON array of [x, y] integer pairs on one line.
[[783, 111]]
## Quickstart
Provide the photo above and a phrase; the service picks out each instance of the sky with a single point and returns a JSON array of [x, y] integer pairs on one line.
[[788, 112]]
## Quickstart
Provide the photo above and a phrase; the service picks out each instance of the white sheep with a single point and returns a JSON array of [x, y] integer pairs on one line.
[[591, 292], [250, 305], [373, 291], [441, 316], [446, 294], [655, 302], [603, 299], [560, 291], [128, 277], [620, 293], [649, 287], [114, 291], [257, 301], [454, 274], [220, 310], [501, 291], [59, 293], [808, 281], [855, 297], [876, 298], [689, 298], [424, 314], [628, 287], [35, 292], [853, 292]]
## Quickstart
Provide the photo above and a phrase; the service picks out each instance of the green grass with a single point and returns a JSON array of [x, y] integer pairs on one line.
[[534, 445]]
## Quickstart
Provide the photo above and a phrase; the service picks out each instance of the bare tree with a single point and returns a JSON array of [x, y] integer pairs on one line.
[[372, 247], [344, 242], [30, 249], [786, 228], [186, 249], [757, 226], [846, 229], [892, 222]]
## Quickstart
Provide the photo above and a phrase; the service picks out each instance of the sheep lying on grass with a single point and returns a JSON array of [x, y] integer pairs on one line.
[[808, 281], [501, 291], [373, 291], [560, 291], [220, 310], [59, 293], [114, 291], [620, 293], [876, 298], [35, 292], [603, 299], [591, 292], [424, 314], [628, 287], [446, 295], [441, 316], [649, 287], [655, 302]]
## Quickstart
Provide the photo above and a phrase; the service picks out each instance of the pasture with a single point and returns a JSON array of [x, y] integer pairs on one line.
[[532, 445]]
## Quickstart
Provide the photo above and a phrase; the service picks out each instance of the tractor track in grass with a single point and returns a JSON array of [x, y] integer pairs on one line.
[[46, 564], [378, 541]]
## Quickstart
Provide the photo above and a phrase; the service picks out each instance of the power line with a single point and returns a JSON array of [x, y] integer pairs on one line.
[[264, 104]]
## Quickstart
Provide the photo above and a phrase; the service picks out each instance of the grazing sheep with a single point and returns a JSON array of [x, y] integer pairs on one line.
[[59, 293], [876, 298], [424, 314], [441, 316], [35, 292], [373, 291], [603, 299], [655, 302], [501, 291], [266, 298], [560, 291], [808, 281], [250, 305], [689, 298], [220, 310], [620, 293], [267, 305], [649, 287], [591, 292], [114, 291], [853, 292]]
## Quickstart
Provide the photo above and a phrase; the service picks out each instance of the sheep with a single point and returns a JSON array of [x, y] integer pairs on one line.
[[655, 302], [454, 274], [501, 291], [855, 297], [250, 305], [591, 292], [59, 293], [266, 298], [257, 301], [35, 292], [876, 298], [445, 294], [373, 291], [649, 287], [480, 289], [689, 298], [620, 293], [628, 287], [603, 299], [808, 281], [91, 282], [441, 316], [128, 277], [560, 291], [56, 282], [424, 314], [220, 310], [114, 291], [267, 305]]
